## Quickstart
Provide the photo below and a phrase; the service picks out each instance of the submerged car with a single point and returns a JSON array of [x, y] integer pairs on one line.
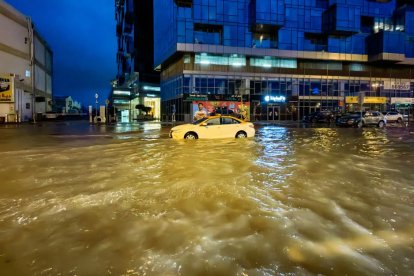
[[360, 119], [325, 116], [214, 127]]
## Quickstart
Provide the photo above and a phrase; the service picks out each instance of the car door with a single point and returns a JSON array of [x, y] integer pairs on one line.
[[377, 116], [229, 127], [210, 128], [368, 118]]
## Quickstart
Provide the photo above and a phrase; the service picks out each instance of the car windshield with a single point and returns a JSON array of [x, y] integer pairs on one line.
[[200, 121]]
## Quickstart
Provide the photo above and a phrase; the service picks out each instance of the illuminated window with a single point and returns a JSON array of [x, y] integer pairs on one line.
[[269, 62], [233, 60], [121, 102], [120, 92]]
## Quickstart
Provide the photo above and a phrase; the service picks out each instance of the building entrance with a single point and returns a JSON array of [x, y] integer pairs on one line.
[[273, 113]]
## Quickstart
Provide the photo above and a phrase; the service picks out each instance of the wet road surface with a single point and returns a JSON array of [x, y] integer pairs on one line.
[[77, 199]]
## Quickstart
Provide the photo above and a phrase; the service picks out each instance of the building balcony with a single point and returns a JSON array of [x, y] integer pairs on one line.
[[341, 20], [386, 46]]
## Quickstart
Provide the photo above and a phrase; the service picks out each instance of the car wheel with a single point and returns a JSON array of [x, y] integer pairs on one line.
[[360, 124], [381, 124], [190, 136], [399, 120], [241, 134]]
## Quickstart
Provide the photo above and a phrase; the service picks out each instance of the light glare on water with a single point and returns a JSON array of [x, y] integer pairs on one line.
[[130, 201]]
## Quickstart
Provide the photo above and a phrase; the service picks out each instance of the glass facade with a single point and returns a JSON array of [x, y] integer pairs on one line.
[[312, 53]]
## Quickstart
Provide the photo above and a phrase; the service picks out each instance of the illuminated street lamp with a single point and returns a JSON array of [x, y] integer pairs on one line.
[[96, 105]]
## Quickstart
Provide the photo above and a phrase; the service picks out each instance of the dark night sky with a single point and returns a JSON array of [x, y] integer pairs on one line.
[[81, 34]]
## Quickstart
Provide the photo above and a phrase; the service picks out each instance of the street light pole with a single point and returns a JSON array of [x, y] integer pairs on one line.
[[96, 106]]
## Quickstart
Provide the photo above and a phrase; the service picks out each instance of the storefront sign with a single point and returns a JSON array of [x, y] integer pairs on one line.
[[375, 100], [351, 99], [6, 89], [321, 98], [397, 85], [366, 100], [275, 99], [194, 97], [402, 100]]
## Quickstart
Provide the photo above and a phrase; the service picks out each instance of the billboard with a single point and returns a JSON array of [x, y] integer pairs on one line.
[[6, 89], [397, 85], [205, 108]]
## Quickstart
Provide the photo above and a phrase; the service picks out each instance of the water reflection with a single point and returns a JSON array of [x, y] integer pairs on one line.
[[290, 201]]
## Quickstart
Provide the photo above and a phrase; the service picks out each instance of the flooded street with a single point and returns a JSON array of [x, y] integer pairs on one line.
[[77, 199]]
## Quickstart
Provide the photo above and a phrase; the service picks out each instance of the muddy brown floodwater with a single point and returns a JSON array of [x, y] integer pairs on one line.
[[126, 200]]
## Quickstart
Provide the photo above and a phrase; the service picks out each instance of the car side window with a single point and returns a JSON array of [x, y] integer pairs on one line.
[[213, 122], [229, 121]]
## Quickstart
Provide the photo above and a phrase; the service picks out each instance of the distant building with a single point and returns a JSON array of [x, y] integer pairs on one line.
[[26, 70], [137, 82], [66, 105], [284, 58]]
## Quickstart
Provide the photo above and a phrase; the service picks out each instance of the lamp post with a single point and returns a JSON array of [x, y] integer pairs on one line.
[[96, 106]]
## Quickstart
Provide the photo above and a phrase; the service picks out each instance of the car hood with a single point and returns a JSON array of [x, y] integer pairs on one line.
[[185, 126]]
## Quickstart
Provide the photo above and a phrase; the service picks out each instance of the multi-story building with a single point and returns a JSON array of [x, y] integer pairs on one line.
[[284, 58], [66, 105], [25, 68], [137, 82]]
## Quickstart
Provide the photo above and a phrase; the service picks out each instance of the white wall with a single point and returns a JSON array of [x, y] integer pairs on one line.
[[39, 51], [21, 100], [13, 34], [14, 65], [48, 84], [15, 59], [40, 78]]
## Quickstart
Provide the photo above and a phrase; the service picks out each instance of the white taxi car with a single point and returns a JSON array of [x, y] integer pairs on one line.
[[214, 127]]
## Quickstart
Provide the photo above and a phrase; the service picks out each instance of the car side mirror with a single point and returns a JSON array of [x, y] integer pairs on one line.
[[203, 124]]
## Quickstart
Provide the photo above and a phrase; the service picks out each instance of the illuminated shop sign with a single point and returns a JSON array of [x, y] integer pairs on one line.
[[195, 97], [275, 99], [397, 85], [315, 91], [402, 100], [372, 100], [375, 100]]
